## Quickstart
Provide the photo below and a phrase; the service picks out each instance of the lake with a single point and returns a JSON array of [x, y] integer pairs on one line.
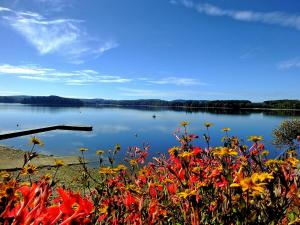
[[132, 127]]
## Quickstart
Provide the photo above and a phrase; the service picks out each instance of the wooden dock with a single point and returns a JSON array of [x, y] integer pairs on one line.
[[44, 129]]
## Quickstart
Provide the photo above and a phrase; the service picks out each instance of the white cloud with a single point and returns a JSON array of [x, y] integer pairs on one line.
[[276, 18], [9, 69], [177, 81], [78, 77], [4, 9], [292, 63], [111, 128], [63, 36], [106, 46], [88, 76], [38, 78]]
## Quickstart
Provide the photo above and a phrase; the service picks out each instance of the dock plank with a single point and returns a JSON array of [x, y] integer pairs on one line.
[[44, 129]]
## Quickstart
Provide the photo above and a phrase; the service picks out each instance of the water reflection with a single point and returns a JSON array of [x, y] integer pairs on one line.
[[134, 126], [209, 110]]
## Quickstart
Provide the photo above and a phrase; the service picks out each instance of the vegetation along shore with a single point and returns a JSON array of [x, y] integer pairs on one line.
[[229, 104]]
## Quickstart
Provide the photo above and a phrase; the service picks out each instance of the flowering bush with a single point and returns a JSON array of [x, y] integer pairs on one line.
[[231, 184]]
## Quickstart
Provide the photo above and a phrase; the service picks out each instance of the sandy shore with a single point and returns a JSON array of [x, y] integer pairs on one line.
[[12, 159], [69, 175]]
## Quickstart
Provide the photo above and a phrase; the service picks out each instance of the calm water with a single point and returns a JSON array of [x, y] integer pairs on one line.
[[129, 127]]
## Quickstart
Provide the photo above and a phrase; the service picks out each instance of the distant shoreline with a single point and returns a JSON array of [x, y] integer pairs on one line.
[[56, 101], [197, 107]]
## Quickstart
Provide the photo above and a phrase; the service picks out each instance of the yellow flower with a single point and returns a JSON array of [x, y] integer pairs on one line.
[[103, 209], [261, 176], [208, 124], [254, 183], [107, 170], [186, 193], [235, 185], [291, 151], [117, 147], [29, 169], [47, 177], [36, 141], [133, 188], [120, 167], [200, 184], [255, 138], [184, 123], [273, 162], [173, 150], [133, 162], [226, 129], [4, 174], [293, 161], [168, 180], [265, 153], [59, 162], [196, 169], [83, 149], [99, 152], [222, 151], [185, 154]]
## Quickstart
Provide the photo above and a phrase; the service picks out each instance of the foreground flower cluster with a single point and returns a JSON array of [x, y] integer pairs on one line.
[[231, 184]]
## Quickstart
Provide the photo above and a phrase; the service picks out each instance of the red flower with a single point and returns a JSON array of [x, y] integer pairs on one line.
[[73, 206], [129, 200], [172, 189], [222, 183], [197, 150], [152, 190]]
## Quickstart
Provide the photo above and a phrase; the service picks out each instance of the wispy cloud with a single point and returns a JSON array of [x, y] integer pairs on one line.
[[276, 18], [177, 81], [9, 69], [288, 64], [89, 76], [3, 9], [78, 77], [169, 94], [64, 36], [180, 81]]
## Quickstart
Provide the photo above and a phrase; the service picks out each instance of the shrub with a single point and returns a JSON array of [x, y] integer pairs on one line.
[[287, 133]]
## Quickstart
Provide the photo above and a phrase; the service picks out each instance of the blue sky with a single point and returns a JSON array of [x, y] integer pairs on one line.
[[168, 49]]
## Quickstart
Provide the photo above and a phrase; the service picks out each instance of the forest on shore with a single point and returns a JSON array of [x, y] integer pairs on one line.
[[230, 104]]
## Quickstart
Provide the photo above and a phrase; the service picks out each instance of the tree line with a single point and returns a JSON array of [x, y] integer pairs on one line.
[[229, 104]]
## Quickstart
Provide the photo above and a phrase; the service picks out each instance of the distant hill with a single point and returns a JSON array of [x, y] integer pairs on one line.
[[42, 100], [72, 102]]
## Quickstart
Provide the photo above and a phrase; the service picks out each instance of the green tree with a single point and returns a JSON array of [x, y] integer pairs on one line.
[[286, 134]]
